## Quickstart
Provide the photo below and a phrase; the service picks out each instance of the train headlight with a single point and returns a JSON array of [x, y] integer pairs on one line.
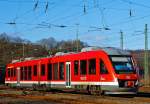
[[129, 84]]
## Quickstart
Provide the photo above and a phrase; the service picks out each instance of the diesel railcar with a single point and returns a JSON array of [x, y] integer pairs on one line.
[[97, 70]]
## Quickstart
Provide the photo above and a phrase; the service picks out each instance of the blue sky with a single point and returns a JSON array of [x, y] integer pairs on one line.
[[130, 16]]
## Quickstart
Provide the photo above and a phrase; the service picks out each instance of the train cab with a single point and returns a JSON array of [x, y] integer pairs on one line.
[[125, 72]]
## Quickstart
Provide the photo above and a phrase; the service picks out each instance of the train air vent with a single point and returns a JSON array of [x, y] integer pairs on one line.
[[29, 58], [89, 49], [14, 61], [59, 53]]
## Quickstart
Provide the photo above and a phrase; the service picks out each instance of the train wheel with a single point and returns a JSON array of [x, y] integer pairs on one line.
[[92, 90], [99, 91], [34, 87], [44, 88], [95, 90]]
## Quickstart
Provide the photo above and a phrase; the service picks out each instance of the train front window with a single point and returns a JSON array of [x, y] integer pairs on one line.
[[123, 65]]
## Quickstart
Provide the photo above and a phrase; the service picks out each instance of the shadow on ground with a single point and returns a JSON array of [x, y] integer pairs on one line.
[[139, 94], [143, 94]]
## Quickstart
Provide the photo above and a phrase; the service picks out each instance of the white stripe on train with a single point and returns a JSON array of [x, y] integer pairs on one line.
[[63, 83]]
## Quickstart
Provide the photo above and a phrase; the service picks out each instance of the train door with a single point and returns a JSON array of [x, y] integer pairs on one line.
[[68, 74], [18, 76]]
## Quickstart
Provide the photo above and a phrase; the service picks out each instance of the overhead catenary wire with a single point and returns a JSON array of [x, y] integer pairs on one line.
[[72, 16], [23, 1], [57, 19], [127, 21], [137, 4]]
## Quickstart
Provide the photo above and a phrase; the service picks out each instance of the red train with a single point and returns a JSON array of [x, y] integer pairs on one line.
[[104, 70]]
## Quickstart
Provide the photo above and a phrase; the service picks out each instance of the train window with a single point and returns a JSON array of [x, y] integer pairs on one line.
[[92, 66], [55, 70], [42, 70], [49, 71], [25, 73], [83, 66], [35, 70], [8, 72], [103, 69], [29, 72], [21, 73], [12, 72], [61, 71], [76, 68]]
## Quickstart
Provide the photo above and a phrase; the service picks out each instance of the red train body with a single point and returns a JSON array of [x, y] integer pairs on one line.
[[107, 70]]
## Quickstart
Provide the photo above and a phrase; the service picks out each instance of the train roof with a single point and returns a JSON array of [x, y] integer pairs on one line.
[[108, 50]]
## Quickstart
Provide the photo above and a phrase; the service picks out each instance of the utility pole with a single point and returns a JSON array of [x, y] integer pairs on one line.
[[146, 71], [121, 39], [77, 34]]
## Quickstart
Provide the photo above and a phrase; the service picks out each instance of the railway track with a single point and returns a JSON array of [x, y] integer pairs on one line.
[[72, 97]]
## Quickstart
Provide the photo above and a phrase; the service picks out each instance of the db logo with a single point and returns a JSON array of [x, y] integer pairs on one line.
[[83, 78]]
